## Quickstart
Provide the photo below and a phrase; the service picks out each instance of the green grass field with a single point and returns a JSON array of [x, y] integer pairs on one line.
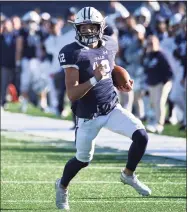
[[30, 166], [14, 107]]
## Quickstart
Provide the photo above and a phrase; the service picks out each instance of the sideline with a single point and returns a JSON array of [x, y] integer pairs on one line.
[[158, 145]]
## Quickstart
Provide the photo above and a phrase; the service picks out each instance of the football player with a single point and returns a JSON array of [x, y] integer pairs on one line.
[[88, 65], [27, 51]]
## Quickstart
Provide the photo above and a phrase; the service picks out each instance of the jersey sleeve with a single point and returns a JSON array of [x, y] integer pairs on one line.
[[67, 57]]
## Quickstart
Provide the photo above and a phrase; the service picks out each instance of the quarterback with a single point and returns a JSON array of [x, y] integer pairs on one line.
[[88, 64]]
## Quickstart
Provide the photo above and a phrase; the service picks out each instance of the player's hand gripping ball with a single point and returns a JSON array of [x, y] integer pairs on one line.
[[121, 79]]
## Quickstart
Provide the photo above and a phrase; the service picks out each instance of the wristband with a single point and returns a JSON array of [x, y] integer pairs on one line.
[[93, 81]]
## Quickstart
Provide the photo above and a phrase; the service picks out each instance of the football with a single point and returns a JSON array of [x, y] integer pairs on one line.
[[120, 76]]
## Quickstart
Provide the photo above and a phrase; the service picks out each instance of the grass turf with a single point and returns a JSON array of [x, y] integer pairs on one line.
[[29, 169], [34, 111], [169, 129]]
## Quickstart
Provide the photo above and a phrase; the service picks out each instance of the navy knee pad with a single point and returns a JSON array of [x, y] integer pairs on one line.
[[140, 136], [80, 163]]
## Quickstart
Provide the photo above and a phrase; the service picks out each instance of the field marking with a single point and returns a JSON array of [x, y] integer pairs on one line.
[[90, 167], [88, 182], [170, 165], [51, 166], [99, 201]]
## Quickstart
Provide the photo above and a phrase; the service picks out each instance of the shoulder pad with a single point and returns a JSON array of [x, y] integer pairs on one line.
[[68, 56], [110, 43]]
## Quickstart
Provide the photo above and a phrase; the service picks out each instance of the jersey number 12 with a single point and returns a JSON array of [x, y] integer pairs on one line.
[[62, 57]]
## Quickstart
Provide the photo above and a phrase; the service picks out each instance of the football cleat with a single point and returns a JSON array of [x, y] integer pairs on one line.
[[135, 183], [61, 196]]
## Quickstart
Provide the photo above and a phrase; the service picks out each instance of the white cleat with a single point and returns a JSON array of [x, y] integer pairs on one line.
[[61, 197], [135, 183]]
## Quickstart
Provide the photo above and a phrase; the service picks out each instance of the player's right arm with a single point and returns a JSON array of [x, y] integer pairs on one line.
[[75, 90], [68, 61]]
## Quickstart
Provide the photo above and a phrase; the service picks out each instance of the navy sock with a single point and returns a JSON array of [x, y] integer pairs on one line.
[[137, 148], [72, 167]]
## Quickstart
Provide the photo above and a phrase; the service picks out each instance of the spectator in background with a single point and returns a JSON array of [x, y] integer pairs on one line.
[[152, 6], [126, 30], [134, 55], [40, 78], [117, 7], [27, 51], [45, 26], [180, 53], [68, 30], [125, 39], [165, 9], [117, 16], [7, 62], [159, 75], [143, 16], [16, 21], [180, 7], [168, 45], [160, 28], [2, 20], [52, 47]]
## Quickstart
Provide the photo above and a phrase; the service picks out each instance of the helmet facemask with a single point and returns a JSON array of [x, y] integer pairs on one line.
[[89, 37]]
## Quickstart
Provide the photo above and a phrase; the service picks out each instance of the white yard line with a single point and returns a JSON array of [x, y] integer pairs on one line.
[[89, 167], [88, 182], [100, 201], [52, 166]]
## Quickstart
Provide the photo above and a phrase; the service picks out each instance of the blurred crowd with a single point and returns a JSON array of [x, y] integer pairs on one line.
[[152, 48]]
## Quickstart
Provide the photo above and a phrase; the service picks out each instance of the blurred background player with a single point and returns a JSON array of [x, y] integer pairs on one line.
[[52, 47], [8, 66], [27, 50], [133, 55], [159, 79]]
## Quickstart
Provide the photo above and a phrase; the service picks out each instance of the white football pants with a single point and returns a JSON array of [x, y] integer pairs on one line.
[[119, 120], [29, 68]]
